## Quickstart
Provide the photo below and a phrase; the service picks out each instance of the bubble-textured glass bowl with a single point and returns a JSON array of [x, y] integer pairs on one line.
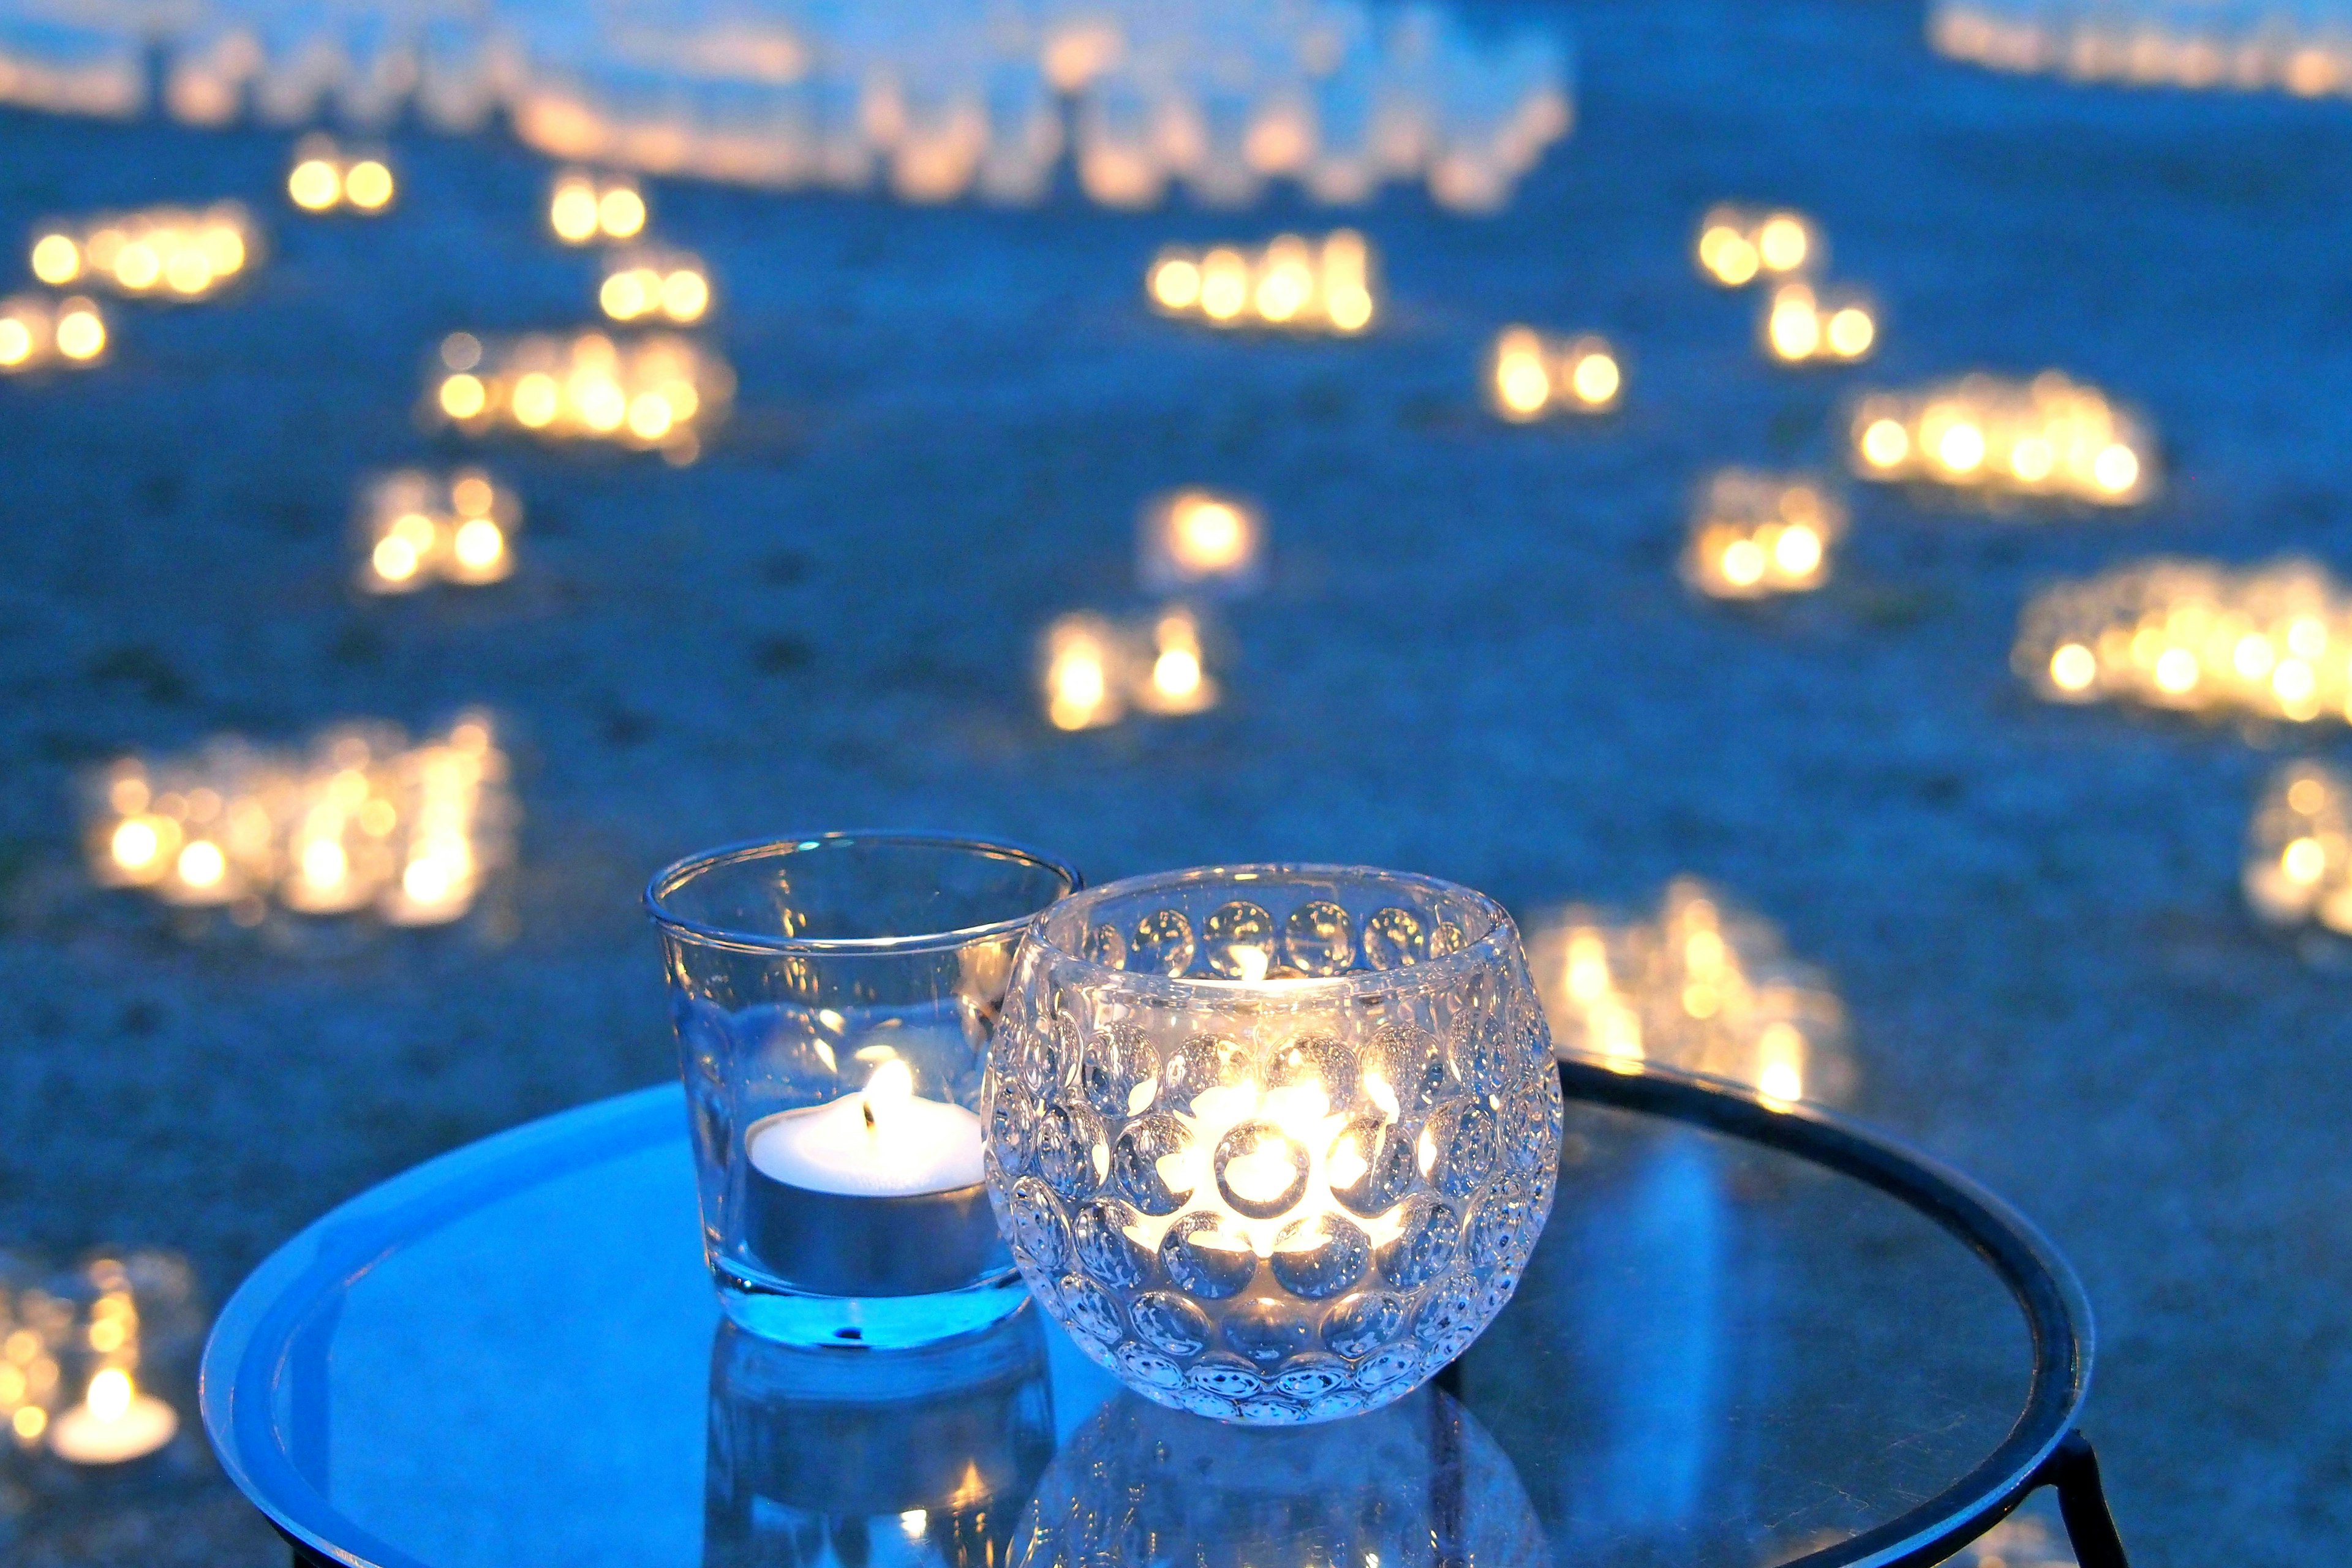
[[1273, 1142]]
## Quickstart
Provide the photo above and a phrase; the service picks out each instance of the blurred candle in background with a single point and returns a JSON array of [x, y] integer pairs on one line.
[[584, 208], [1291, 283], [154, 253], [2050, 437], [1738, 245], [1200, 542], [2273, 641], [326, 178], [414, 527], [1531, 374]]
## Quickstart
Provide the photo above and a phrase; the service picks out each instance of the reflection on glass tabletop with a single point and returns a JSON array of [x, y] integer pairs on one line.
[[1722, 1354]]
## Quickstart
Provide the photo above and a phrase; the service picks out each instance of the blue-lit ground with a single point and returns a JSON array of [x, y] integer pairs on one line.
[[1473, 660]]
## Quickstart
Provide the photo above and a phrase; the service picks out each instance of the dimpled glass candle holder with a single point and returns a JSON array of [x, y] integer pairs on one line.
[[1273, 1143]]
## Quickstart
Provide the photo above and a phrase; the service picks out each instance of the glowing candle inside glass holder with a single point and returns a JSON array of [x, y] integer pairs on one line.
[[2273, 640], [671, 286], [1092, 671], [1273, 1142], [2298, 862], [414, 527], [653, 392], [830, 1040], [114, 1423], [361, 820]]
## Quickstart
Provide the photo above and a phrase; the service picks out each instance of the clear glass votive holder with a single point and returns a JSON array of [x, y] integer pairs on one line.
[[1273, 1142], [834, 997]]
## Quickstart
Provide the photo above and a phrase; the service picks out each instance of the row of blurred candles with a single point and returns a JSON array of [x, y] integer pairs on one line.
[[1191, 546], [1700, 986], [360, 819], [2273, 641], [2246, 45], [933, 104], [417, 527], [91, 1359]]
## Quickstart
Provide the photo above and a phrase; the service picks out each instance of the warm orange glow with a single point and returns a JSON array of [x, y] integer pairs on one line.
[[463, 396], [2048, 436], [1700, 987], [1532, 375], [621, 211], [1754, 534], [56, 259], [315, 185], [572, 210], [367, 184], [1291, 282], [1738, 245], [340, 826]]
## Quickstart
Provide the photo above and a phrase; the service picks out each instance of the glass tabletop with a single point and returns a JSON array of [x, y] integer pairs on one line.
[[1724, 1352]]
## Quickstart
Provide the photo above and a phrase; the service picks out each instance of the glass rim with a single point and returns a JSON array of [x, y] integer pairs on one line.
[[1419, 975], [673, 877]]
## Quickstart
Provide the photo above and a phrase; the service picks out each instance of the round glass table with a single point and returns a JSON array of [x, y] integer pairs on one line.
[[1753, 1334]]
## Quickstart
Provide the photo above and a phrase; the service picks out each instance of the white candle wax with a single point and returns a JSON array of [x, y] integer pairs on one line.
[[884, 1141], [113, 1424]]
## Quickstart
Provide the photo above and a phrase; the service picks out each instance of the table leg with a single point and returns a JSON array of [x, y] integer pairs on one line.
[[2073, 1473]]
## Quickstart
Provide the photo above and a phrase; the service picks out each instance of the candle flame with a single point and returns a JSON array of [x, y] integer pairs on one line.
[[892, 1085], [110, 1393]]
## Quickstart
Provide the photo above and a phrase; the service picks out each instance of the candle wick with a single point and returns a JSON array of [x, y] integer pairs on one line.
[[868, 1107]]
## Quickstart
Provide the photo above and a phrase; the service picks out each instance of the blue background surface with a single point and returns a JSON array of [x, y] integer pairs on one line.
[[1473, 658]]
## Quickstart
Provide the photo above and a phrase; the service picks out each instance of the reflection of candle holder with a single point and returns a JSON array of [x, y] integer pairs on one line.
[[1705, 987], [1418, 1482], [834, 997], [1738, 245], [328, 178], [155, 253], [1753, 535], [1273, 1142], [915, 1457]]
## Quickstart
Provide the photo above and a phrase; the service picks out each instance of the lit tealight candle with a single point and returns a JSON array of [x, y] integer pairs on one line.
[[884, 1141], [113, 1424], [876, 1193]]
